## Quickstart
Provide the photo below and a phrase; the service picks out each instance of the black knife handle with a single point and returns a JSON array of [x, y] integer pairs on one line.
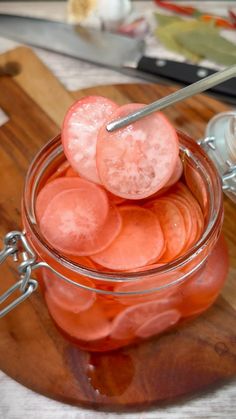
[[184, 73]]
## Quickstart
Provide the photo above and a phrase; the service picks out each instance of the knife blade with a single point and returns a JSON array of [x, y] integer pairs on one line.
[[105, 49]]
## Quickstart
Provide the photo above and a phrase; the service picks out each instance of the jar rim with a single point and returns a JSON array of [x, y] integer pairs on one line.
[[193, 151]]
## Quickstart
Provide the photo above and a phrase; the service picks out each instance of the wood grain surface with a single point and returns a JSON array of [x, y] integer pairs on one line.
[[198, 356]]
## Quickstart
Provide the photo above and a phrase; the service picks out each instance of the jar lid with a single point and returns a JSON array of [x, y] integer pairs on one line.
[[220, 145]]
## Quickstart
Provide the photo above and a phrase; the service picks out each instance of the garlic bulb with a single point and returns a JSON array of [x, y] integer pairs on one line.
[[113, 10]]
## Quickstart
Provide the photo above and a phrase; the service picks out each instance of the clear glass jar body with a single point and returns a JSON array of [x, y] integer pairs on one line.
[[102, 311]]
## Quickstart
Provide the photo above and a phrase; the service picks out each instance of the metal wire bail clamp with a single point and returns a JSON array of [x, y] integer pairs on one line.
[[16, 245]]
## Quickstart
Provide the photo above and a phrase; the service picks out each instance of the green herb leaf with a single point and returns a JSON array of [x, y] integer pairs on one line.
[[167, 35], [166, 19], [210, 44]]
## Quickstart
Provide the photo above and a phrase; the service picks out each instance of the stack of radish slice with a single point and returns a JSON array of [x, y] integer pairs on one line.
[[118, 200]]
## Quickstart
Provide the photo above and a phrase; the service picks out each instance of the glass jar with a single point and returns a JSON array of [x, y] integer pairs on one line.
[[102, 311]]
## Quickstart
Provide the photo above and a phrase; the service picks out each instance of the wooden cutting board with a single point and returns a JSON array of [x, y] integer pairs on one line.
[[194, 358]]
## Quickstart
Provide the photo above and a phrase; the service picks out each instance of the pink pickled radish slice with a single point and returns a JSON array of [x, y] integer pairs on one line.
[[126, 324], [150, 282], [183, 191], [83, 261], [79, 133], [196, 185], [61, 170], [140, 241], [187, 216], [173, 179], [88, 325], [172, 224], [158, 324], [76, 222], [52, 189], [71, 173], [117, 200], [138, 160], [69, 296], [177, 173]]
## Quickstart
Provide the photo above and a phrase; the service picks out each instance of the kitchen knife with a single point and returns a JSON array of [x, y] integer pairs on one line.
[[104, 49]]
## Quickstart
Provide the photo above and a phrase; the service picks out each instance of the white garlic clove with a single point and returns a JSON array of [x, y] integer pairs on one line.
[[113, 10]]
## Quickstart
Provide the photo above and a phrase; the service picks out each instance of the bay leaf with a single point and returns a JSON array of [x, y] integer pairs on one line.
[[163, 20], [210, 44], [167, 35]]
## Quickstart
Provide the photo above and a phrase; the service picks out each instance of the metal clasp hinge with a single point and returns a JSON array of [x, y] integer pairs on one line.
[[230, 173], [15, 245], [207, 142]]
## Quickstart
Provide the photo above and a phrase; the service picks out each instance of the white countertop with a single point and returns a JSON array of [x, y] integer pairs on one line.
[[16, 401]]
